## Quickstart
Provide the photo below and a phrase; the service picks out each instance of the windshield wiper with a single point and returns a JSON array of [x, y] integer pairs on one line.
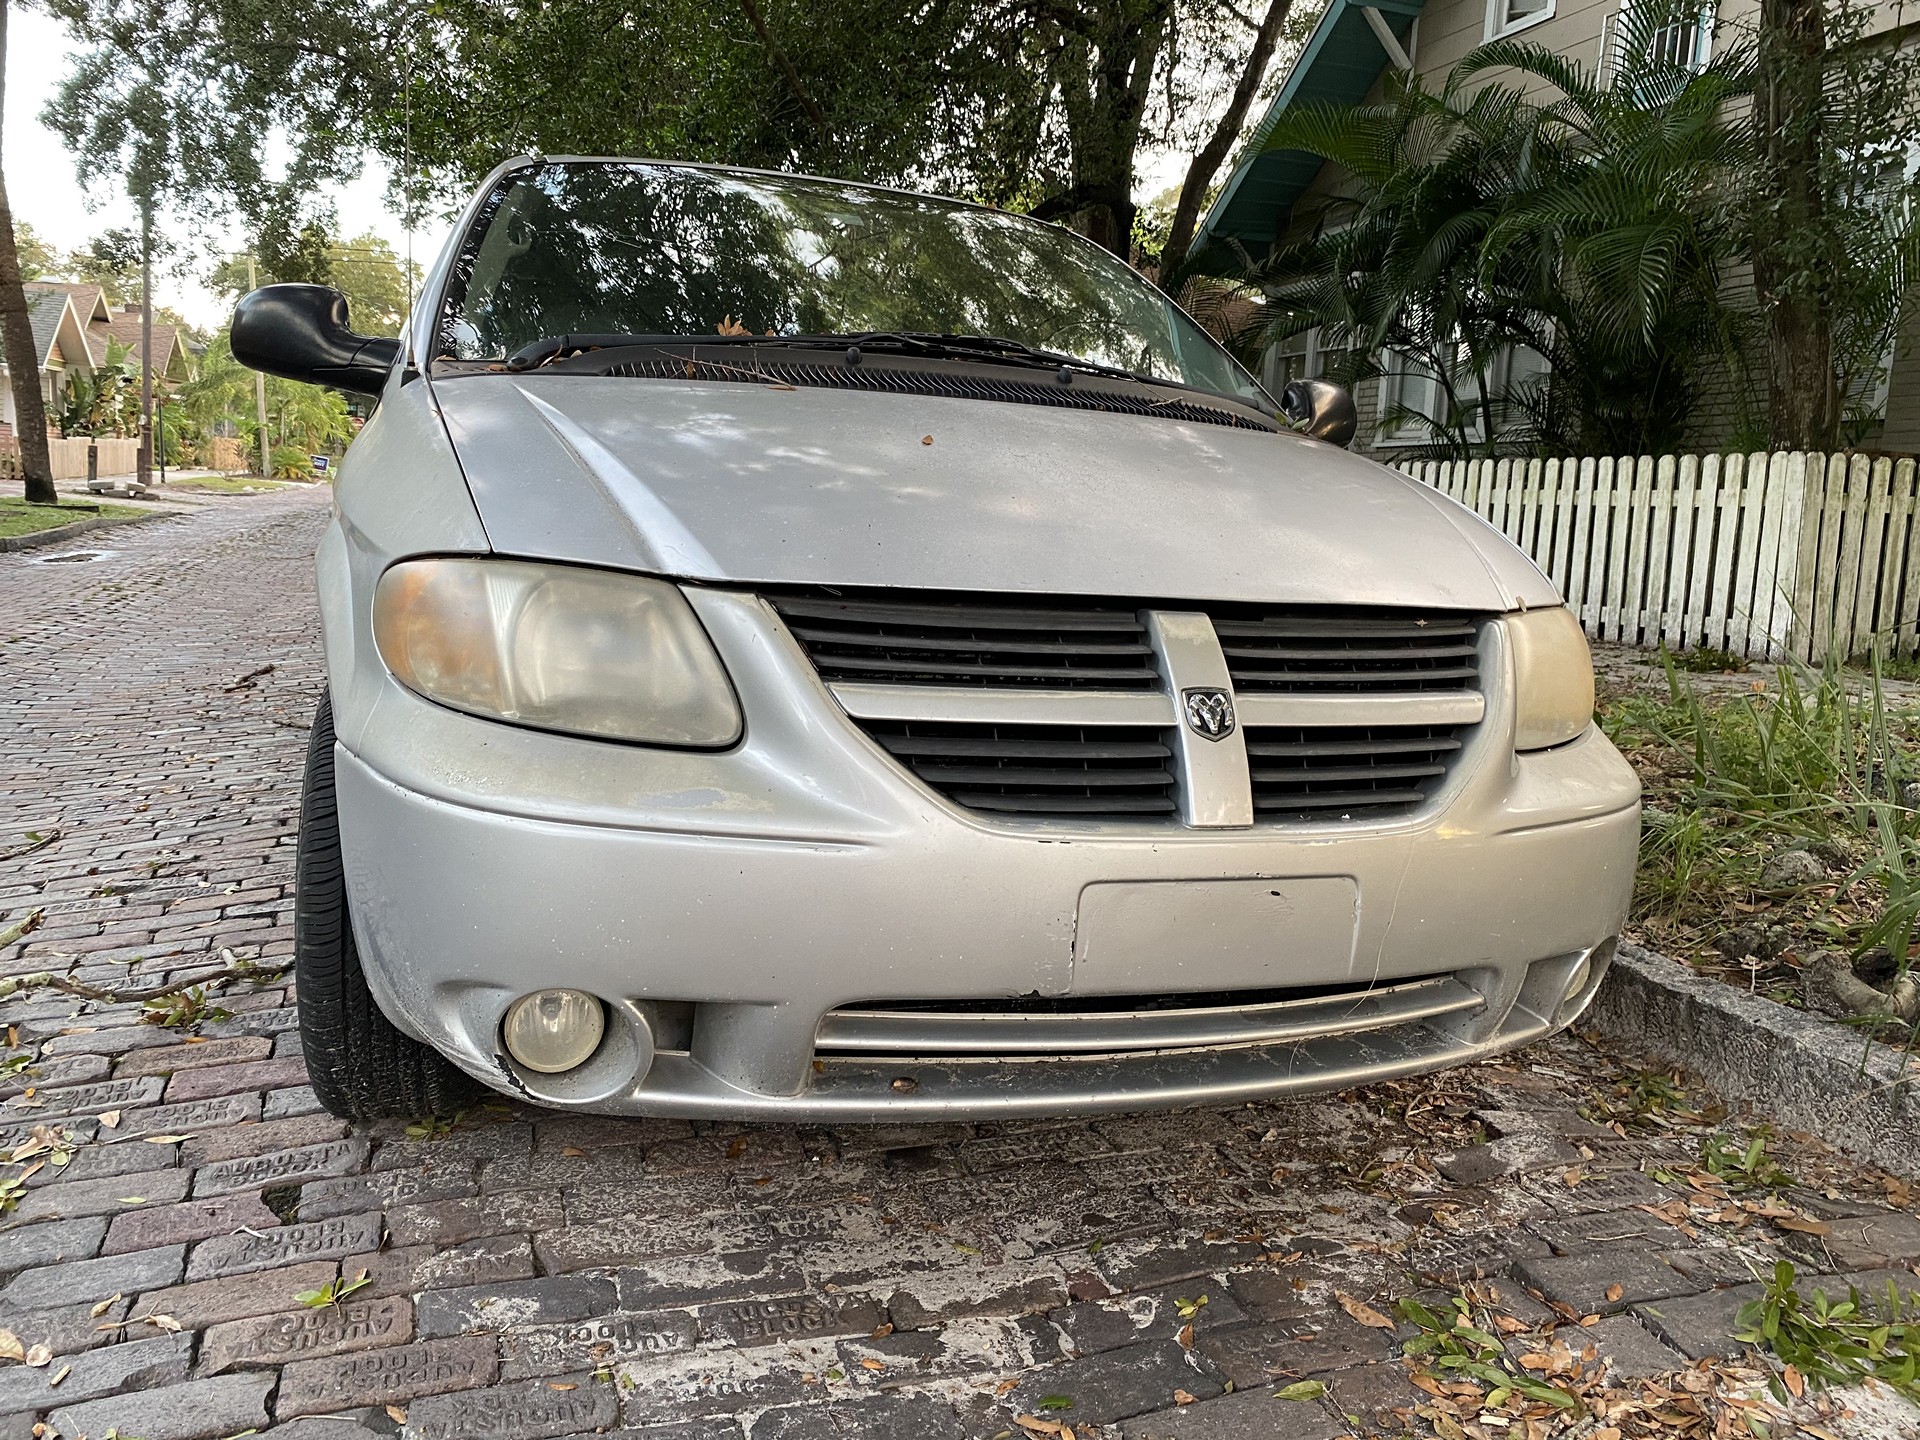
[[990, 348], [972, 347]]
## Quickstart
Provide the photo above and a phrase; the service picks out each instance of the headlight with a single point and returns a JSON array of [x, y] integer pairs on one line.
[[587, 652], [1552, 678]]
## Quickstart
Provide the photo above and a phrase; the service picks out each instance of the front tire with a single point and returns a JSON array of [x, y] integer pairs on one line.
[[361, 1066]]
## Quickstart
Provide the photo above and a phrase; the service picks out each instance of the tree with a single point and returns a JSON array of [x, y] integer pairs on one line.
[[1584, 222], [1832, 227], [1208, 159], [16, 330], [378, 285], [110, 260], [1030, 104], [37, 259]]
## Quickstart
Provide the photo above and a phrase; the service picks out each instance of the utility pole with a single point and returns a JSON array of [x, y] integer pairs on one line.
[[260, 395], [145, 478]]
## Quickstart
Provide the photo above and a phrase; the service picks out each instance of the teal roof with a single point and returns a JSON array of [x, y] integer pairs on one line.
[[1339, 64]]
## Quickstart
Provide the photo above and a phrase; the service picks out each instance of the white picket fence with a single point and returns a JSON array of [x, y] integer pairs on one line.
[[1766, 556]]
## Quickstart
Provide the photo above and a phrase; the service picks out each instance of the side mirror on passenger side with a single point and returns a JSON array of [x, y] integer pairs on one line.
[[1321, 408], [299, 332]]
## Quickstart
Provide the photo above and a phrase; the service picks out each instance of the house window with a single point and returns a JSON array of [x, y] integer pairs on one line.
[[1410, 400], [1297, 357], [1683, 39], [1505, 17]]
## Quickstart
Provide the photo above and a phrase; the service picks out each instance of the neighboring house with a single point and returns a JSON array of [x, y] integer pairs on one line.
[[73, 326], [1271, 194], [61, 346]]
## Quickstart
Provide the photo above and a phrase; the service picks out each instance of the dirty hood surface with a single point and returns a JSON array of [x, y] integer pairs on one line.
[[751, 483]]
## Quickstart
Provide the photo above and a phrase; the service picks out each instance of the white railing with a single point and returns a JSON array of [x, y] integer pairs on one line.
[[1766, 556]]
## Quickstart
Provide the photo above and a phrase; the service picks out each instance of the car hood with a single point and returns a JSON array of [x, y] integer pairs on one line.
[[770, 485]]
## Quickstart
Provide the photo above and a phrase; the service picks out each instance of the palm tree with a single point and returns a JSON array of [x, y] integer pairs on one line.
[[1587, 221], [16, 331]]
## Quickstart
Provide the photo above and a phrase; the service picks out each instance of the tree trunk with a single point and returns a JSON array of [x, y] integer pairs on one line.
[[1206, 164], [1789, 227], [1107, 73], [23, 359]]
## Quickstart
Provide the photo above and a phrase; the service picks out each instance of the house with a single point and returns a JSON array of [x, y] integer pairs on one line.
[[61, 345], [1272, 195], [74, 329]]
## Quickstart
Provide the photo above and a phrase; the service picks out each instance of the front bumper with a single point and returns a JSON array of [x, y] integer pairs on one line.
[[724, 905]]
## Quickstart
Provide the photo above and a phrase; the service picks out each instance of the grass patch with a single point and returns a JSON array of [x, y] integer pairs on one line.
[[17, 517], [225, 485], [1782, 825]]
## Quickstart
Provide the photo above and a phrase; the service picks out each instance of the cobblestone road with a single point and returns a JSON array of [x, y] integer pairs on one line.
[[540, 1275]]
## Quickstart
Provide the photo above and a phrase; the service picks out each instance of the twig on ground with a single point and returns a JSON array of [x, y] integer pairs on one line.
[[33, 846], [244, 970]]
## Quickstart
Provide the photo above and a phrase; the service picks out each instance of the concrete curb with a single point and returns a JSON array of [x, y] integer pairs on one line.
[[1802, 1071], [9, 543]]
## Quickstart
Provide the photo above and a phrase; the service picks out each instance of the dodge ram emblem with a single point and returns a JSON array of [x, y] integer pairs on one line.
[[1209, 713]]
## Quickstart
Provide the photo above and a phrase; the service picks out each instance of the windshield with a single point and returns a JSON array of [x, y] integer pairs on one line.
[[639, 249]]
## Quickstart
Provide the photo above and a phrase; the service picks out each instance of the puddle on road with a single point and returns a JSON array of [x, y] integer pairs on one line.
[[74, 557]]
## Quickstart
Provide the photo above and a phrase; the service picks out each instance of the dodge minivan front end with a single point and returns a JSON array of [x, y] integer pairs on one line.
[[1007, 714]]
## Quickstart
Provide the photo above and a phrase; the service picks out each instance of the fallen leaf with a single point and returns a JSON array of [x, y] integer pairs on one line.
[[1181, 1397], [1536, 1361], [110, 1119], [737, 1148], [572, 1150], [162, 1322], [104, 1306], [397, 1414], [40, 1356], [59, 1375], [1362, 1311], [1301, 1390], [1801, 1225], [872, 1364], [1793, 1381], [1614, 1292], [133, 1199], [166, 1139], [926, 439], [1185, 1337], [10, 1346], [561, 1385], [880, 1332]]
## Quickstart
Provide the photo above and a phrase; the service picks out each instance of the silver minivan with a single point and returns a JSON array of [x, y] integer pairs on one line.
[[804, 650]]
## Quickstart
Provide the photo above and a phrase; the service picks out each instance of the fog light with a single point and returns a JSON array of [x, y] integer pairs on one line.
[[554, 1030]]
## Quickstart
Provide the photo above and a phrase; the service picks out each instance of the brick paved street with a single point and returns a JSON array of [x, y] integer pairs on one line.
[[532, 1274]]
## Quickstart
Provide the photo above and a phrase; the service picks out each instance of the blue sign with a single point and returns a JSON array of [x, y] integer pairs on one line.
[[320, 463]]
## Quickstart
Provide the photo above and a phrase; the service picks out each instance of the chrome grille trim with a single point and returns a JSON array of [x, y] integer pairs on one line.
[[958, 1033]]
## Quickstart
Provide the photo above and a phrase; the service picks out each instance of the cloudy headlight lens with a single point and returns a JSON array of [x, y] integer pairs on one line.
[[1552, 678], [587, 652]]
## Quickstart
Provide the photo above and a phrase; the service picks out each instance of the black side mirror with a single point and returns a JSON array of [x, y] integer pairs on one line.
[[1321, 408], [299, 332]]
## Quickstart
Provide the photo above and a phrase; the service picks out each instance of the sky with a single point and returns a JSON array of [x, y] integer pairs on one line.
[[64, 212]]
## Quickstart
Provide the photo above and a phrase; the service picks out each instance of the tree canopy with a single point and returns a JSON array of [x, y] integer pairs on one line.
[[1030, 104]]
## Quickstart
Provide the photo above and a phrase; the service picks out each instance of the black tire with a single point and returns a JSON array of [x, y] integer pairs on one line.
[[361, 1066]]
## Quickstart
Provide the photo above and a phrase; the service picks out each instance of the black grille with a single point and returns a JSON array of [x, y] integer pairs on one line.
[[1272, 651], [1328, 772], [1079, 395], [1078, 772], [1005, 646]]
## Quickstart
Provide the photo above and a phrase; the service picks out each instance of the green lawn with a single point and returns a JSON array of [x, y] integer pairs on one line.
[[17, 517], [225, 485]]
